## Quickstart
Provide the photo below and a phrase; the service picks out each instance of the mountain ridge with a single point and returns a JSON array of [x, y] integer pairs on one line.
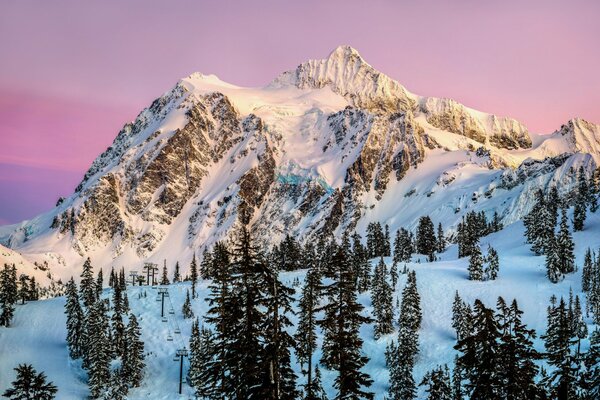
[[324, 148]]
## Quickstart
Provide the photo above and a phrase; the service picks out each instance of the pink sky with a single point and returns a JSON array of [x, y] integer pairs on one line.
[[72, 72]]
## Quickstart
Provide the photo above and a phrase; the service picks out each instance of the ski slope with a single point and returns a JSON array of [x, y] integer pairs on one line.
[[38, 333]]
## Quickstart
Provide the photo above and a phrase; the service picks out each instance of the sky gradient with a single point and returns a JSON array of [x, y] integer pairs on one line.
[[72, 73]]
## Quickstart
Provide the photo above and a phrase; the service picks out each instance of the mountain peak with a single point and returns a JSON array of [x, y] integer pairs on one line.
[[343, 52]]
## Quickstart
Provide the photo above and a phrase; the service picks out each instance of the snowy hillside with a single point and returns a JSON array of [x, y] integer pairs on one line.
[[329, 146], [38, 332]]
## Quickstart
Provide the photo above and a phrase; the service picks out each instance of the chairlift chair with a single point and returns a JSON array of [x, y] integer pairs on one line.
[[177, 331]]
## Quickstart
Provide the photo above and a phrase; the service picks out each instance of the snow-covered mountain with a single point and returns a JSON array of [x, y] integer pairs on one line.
[[326, 147]]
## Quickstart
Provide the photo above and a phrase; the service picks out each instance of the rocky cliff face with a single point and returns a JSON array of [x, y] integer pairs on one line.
[[324, 148]]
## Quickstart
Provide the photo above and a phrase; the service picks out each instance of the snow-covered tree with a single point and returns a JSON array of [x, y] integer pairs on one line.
[[186, 309], [30, 385], [75, 321], [133, 360]]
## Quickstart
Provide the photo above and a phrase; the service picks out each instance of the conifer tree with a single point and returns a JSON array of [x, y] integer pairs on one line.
[[176, 273], [23, 292], [403, 246], [493, 264], [540, 223], [381, 299], [441, 239], [87, 286], [306, 337], [461, 317], [565, 246], [553, 266], [99, 283], [75, 321], [438, 384], [591, 376], [205, 265], [401, 358], [278, 378], [587, 271], [248, 262], [112, 278], [558, 342], [476, 265], [164, 280], [30, 385], [480, 356], [341, 322], [394, 276], [34, 290], [517, 370], [318, 392], [202, 356], [97, 348], [8, 294], [186, 309], [457, 392], [581, 201], [122, 282], [194, 275], [360, 263], [224, 314], [387, 248], [133, 362], [426, 242]]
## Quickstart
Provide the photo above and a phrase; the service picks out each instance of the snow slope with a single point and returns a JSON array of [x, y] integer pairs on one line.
[[37, 335]]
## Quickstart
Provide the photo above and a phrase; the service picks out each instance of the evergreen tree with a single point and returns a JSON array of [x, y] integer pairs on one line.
[[480, 356], [194, 275], [587, 271], [248, 262], [553, 266], [540, 223], [306, 337], [387, 248], [99, 283], [461, 317], [581, 201], [360, 263], [401, 357], [112, 278], [376, 241], [29, 385], [457, 392], [8, 294], [176, 273], [164, 280], [381, 299], [133, 362], [24, 292], [206, 265], [493, 264], [224, 314], [278, 378], [565, 246], [426, 242], [202, 356], [403, 246], [318, 392], [591, 376], [87, 286], [476, 265], [441, 239], [34, 290], [341, 322], [558, 342], [75, 321], [496, 224], [517, 370], [97, 349], [187, 306], [438, 384]]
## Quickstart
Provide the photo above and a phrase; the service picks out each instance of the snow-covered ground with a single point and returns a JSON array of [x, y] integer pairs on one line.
[[37, 335]]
